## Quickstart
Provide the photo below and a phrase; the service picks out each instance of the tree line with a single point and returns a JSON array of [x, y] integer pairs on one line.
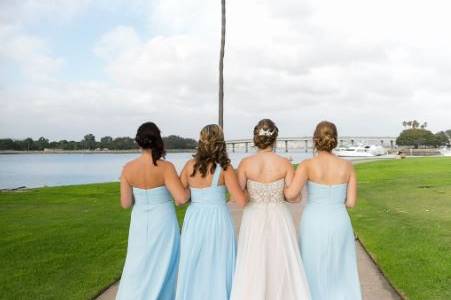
[[415, 134], [89, 142]]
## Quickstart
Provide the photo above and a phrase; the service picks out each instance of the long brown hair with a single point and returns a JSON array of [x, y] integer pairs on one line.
[[211, 150]]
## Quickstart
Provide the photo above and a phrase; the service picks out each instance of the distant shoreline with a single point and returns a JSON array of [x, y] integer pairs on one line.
[[7, 152]]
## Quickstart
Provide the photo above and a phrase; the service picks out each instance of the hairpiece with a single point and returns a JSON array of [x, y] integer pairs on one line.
[[265, 132]]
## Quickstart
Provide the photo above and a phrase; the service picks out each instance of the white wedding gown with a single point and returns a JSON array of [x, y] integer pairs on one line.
[[269, 265]]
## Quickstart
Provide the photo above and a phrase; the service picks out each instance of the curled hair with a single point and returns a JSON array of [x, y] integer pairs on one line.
[[148, 137], [211, 150], [265, 134], [325, 136]]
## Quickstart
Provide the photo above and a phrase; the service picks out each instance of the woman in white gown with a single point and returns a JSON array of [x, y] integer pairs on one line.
[[269, 264]]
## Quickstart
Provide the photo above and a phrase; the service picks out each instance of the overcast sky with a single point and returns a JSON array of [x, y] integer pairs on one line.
[[71, 67]]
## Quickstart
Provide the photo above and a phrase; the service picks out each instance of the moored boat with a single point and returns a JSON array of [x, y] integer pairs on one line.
[[445, 151], [360, 151]]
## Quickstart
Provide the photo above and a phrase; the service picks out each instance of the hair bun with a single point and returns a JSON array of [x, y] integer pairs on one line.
[[325, 136], [265, 134], [148, 140], [148, 137]]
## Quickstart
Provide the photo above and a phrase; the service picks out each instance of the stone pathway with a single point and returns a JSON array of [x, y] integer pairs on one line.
[[374, 285]]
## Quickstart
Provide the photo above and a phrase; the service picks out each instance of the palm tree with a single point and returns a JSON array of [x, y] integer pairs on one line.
[[221, 65], [415, 124]]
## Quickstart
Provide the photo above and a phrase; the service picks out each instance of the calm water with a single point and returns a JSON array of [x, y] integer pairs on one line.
[[35, 170]]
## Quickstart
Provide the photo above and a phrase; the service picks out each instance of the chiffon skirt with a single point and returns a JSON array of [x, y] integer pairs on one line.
[[328, 252], [150, 269], [207, 258]]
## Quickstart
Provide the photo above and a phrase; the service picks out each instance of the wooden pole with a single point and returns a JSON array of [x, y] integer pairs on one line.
[[221, 65]]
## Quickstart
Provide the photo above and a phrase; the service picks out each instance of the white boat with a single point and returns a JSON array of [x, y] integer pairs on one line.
[[360, 151], [445, 151], [377, 150]]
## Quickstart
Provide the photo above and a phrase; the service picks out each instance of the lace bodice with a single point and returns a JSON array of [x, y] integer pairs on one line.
[[266, 192]]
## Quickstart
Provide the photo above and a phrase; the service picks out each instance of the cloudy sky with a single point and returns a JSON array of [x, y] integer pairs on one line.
[[71, 67]]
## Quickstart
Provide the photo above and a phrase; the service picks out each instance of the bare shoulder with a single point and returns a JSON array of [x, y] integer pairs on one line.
[[286, 162], [345, 162], [306, 162], [229, 168], [166, 165], [303, 165], [129, 168], [283, 159], [130, 165], [244, 161], [189, 165], [349, 164]]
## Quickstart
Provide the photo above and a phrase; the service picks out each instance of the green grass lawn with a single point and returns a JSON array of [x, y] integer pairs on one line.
[[62, 242], [403, 218], [70, 242]]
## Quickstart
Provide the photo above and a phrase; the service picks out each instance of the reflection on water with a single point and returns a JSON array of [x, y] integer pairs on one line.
[[34, 170]]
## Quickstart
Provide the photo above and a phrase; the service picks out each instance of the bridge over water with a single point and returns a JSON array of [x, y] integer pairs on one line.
[[306, 143]]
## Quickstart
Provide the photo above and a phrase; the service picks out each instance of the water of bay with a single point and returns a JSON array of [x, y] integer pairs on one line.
[[36, 170]]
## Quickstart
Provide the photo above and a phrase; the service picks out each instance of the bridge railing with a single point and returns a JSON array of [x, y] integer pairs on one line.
[[306, 143]]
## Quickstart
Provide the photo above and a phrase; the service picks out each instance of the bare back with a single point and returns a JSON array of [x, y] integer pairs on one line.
[[328, 169], [144, 174], [197, 181], [264, 167], [227, 177]]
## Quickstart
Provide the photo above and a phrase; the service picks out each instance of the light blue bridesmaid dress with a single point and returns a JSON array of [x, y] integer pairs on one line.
[[150, 270], [207, 252], [327, 244]]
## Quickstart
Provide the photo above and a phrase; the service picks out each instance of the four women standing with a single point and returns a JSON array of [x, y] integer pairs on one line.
[[269, 264]]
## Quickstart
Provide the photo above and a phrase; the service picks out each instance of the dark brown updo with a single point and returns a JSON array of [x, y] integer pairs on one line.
[[325, 136], [265, 134], [148, 137]]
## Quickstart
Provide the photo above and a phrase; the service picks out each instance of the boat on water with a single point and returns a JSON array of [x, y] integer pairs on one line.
[[360, 151], [445, 151]]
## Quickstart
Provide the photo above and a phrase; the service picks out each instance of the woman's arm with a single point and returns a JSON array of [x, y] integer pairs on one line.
[[289, 179], [351, 197], [294, 188], [185, 174], [175, 186], [126, 191], [241, 173], [234, 187]]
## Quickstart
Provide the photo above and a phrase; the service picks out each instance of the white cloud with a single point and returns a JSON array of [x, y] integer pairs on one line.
[[365, 65], [29, 52], [117, 41], [32, 11]]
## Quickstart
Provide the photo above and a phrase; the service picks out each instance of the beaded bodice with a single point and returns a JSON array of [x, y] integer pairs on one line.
[[266, 192]]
